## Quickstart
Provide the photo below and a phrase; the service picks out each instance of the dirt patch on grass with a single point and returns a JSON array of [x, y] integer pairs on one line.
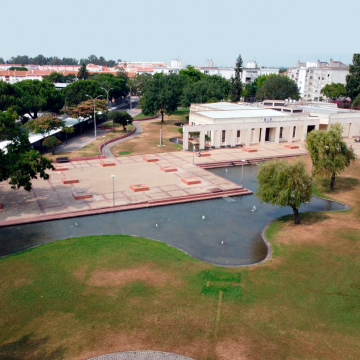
[[102, 277], [231, 350], [81, 272]]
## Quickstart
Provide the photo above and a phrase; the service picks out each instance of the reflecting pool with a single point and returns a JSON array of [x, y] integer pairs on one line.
[[181, 225]]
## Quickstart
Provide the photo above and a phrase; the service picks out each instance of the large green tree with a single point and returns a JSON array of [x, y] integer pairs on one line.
[[120, 117], [138, 83], [191, 74], [19, 163], [43, 125], [83, 73], [161, 94], [329, 152], [56, 77], [278, 87], [284, 184], [76, 92], [353, 79], [34, 96], [334, 90], [236, 88], [115, 85]]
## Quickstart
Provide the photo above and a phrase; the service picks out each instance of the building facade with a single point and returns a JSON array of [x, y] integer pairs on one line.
[[273, 121], [311, 77]]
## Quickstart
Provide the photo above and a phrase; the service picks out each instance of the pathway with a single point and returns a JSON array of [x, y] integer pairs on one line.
[[141, 355]]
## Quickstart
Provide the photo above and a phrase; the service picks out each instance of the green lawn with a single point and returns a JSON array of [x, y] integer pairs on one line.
[[82, 297]]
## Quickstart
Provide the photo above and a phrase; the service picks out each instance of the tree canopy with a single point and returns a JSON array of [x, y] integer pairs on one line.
[[284, 184], [120, 117], [76, 92], [18, 68], [334, 91], [83, 73], [138, 83], [19, 163], [278, 87], [51, 143], [31, 96], [43, 125], [161, 94], [356, 102], [353, 79], [109, 81], [56, 77], [93, 59], [329, 152], [236, 88], [191, 74]]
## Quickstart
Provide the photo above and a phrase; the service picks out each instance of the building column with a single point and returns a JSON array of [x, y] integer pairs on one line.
[[212, 138], [263, 133], [277, 135], [233, 138], [202, 140], [351, 130], [304, 132], [317, 126], [228, 138], [218, 139], [248, 136], [185, 138], [257, 135], [290, 136]]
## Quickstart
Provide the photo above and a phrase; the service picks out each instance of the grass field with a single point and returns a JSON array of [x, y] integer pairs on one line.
[[79, 298], [148, 141]]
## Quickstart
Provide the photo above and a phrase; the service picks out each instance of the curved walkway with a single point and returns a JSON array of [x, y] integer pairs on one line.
[[139, 130], [141, 355]]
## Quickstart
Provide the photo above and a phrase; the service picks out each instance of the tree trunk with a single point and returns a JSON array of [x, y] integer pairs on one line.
[[162, 115], [35, 115], [296, 216], [332, 183]]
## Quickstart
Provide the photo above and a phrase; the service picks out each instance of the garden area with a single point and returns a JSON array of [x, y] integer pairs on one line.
[[148, 141], [83, 297]]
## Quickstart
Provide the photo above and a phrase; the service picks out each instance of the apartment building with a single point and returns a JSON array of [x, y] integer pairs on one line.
[[311, 77]]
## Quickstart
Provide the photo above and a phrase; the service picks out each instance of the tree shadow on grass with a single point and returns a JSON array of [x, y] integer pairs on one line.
[[30, 348], [342, 184], [306, 218]]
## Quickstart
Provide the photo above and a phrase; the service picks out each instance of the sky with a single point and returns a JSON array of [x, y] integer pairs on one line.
[[274, 33]]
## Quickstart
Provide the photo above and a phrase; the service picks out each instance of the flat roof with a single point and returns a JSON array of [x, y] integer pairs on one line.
[[227, 106], [256, 112]]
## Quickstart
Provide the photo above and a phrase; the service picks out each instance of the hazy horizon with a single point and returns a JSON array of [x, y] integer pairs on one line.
[[273, 33]]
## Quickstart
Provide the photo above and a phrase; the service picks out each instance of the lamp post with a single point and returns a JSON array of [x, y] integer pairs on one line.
[[94, 110], [107, 93], [242, 171], [193, 153], [113, 177], [130, 92], [127, 125]]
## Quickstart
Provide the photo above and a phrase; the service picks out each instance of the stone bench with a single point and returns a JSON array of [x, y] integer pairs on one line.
[[69, 181], [249, 150], [62, 160], [190, 181], [106, 163], [150, 159], [139, 187], [168, 169], [291, 146], [79, 195]]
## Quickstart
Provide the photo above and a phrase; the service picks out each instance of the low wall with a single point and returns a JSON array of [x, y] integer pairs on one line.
[[149, 118], [115, 139]]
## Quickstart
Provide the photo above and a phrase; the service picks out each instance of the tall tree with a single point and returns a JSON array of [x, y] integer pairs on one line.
[[191, 74], [51, 143], [83, 73], [121, 117], [115, 85], [34, 96], [161, 94], [278, 87], [334, 91], [2, 60], [138, 83], [284, 184], [19, 163], [353, 79], [329, 152], [43, 125], [76, 92], [236, 88]]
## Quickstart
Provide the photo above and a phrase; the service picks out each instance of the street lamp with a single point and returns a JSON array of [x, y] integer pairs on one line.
[[127, 125], [193, 153], [94, 110], [107, 93], [242, 171], [113, 177], [130, 92]]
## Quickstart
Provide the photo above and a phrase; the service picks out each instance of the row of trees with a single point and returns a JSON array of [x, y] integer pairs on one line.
[[54, 60], [285, 184]]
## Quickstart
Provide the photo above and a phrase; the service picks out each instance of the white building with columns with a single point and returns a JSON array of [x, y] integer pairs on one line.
[[273, 121]]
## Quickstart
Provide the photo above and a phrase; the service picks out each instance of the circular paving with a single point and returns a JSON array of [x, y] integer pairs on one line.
[[141, 355]]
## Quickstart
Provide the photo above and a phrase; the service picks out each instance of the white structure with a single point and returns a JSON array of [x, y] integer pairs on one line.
[[311, 77], [175, 63], [271, 121]]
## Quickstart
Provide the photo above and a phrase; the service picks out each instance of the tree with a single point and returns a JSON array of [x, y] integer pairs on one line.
[[83, 73], [51, 143], [2, 61], [76, 92], [55, 77], [18, 68], [34, 96], [334, 91], [43, 125], [284, 184], [356, 102], [19, 163], [236, 88], [353, 79], [121, 117], [121, 73], [249, 91], [109, 81], [138, 83], [329, 152], [67, 130], [85, 110], [278, 87], [191, 74], [161, 94]]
